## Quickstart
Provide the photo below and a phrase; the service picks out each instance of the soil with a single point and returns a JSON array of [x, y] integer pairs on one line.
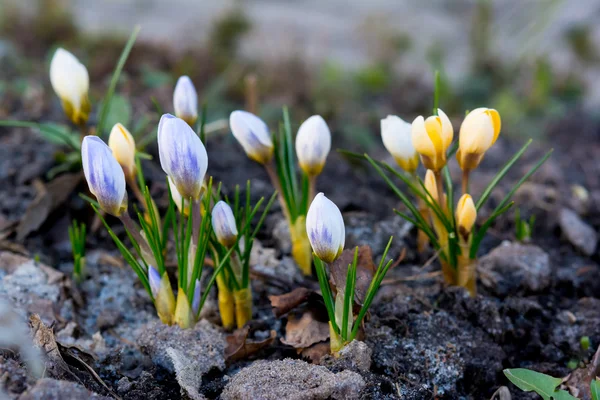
[[422, 339]]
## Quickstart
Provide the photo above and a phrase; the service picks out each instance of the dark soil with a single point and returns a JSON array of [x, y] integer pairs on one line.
[[427, 340]]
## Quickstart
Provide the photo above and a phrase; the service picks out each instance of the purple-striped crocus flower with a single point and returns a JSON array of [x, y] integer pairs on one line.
[[104, 175], [223, 223], [253, 134], [325, 228], [182, 156]]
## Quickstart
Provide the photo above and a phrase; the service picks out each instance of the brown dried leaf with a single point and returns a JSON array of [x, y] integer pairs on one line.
[[284, 303], [239, 347], [306, 331], [365, 271], [315, 352], [48, 198], [578, 382]]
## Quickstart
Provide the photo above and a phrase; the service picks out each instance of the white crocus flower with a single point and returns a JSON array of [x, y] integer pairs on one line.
[[313, 143], [253, 134], [182, 156], [185, 100], [70, 81], [122, 145], [104, 175], [223, 223], [325, 229], [397, 139]]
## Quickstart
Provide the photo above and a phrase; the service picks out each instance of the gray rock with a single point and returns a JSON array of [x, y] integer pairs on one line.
[[515, 268], [293, 380], [356, 356], [281, 234], [579, 233], [52, 389], [202, 346], [364, 228]]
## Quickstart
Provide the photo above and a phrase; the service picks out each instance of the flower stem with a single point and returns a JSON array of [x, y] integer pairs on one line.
[[277, 185], [440, 189], [134, 230], [465, 181], [312, 183]]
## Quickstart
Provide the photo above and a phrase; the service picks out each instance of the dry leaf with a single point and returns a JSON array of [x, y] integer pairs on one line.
[[365, 271], [315, 352], [578, 382], [306, 331], [48, 198], [285, 303], [239, 347]]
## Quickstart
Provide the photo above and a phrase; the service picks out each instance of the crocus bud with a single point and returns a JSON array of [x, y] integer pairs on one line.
[[185, 100], [122, 145], [478, 133], [177, 199], [104, 175], [325, 228], [431, 138], [223, 223], [154, 279], [466, 214], [70, 81], [253, 134], [182, 156], [397, 139], [197, 297], [313, 143], [431, 184]]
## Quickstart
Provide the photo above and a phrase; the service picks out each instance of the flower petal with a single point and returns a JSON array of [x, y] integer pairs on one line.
[[313, 144]]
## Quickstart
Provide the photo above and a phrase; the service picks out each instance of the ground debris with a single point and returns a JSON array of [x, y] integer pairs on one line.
[[579, 233], [239, 347]]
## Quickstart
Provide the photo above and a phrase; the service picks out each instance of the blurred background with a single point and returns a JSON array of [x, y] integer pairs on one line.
[[353, 62]]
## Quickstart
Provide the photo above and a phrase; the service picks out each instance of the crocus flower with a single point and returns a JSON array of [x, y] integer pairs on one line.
[[313, 143], [397, 139], [104, 175], [122, 145], [185, 100], [154, 278], [325, 228], [70, 81], [177, 199], [197, 296], [182, 156], [431, 138], [466, 214], [223, 223], [253, 134], [478, 132]]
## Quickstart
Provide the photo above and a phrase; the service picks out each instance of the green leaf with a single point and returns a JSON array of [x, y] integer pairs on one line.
[[529, 381], [595, 389], [488, 190], [119, 110], [563, 395], [114, 80]]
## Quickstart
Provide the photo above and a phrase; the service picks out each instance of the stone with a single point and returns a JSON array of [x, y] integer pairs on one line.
[[294, 380], [513, 268], [355, 356], [281, 234], [53, 389], [579, 233], [201, 347], [364, 228]]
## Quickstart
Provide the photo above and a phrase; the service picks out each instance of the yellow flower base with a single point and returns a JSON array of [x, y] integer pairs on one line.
[[301, 250]]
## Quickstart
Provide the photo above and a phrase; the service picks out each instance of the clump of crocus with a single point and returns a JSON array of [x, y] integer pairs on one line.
[[450, 226], [71, 82], [235, 292], [185, 161], [326, 232], [185, 100], [313, 143]]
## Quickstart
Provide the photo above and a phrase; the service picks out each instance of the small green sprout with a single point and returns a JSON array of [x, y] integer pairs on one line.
[[523, 228], [77, 234], [545, 385]]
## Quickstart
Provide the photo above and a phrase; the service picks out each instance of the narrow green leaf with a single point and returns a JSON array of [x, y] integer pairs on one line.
[[595, 389], [494, 182], [119, 111], [325, 291], [563, 395], [478, 237], [106, 102], [529, 381]]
